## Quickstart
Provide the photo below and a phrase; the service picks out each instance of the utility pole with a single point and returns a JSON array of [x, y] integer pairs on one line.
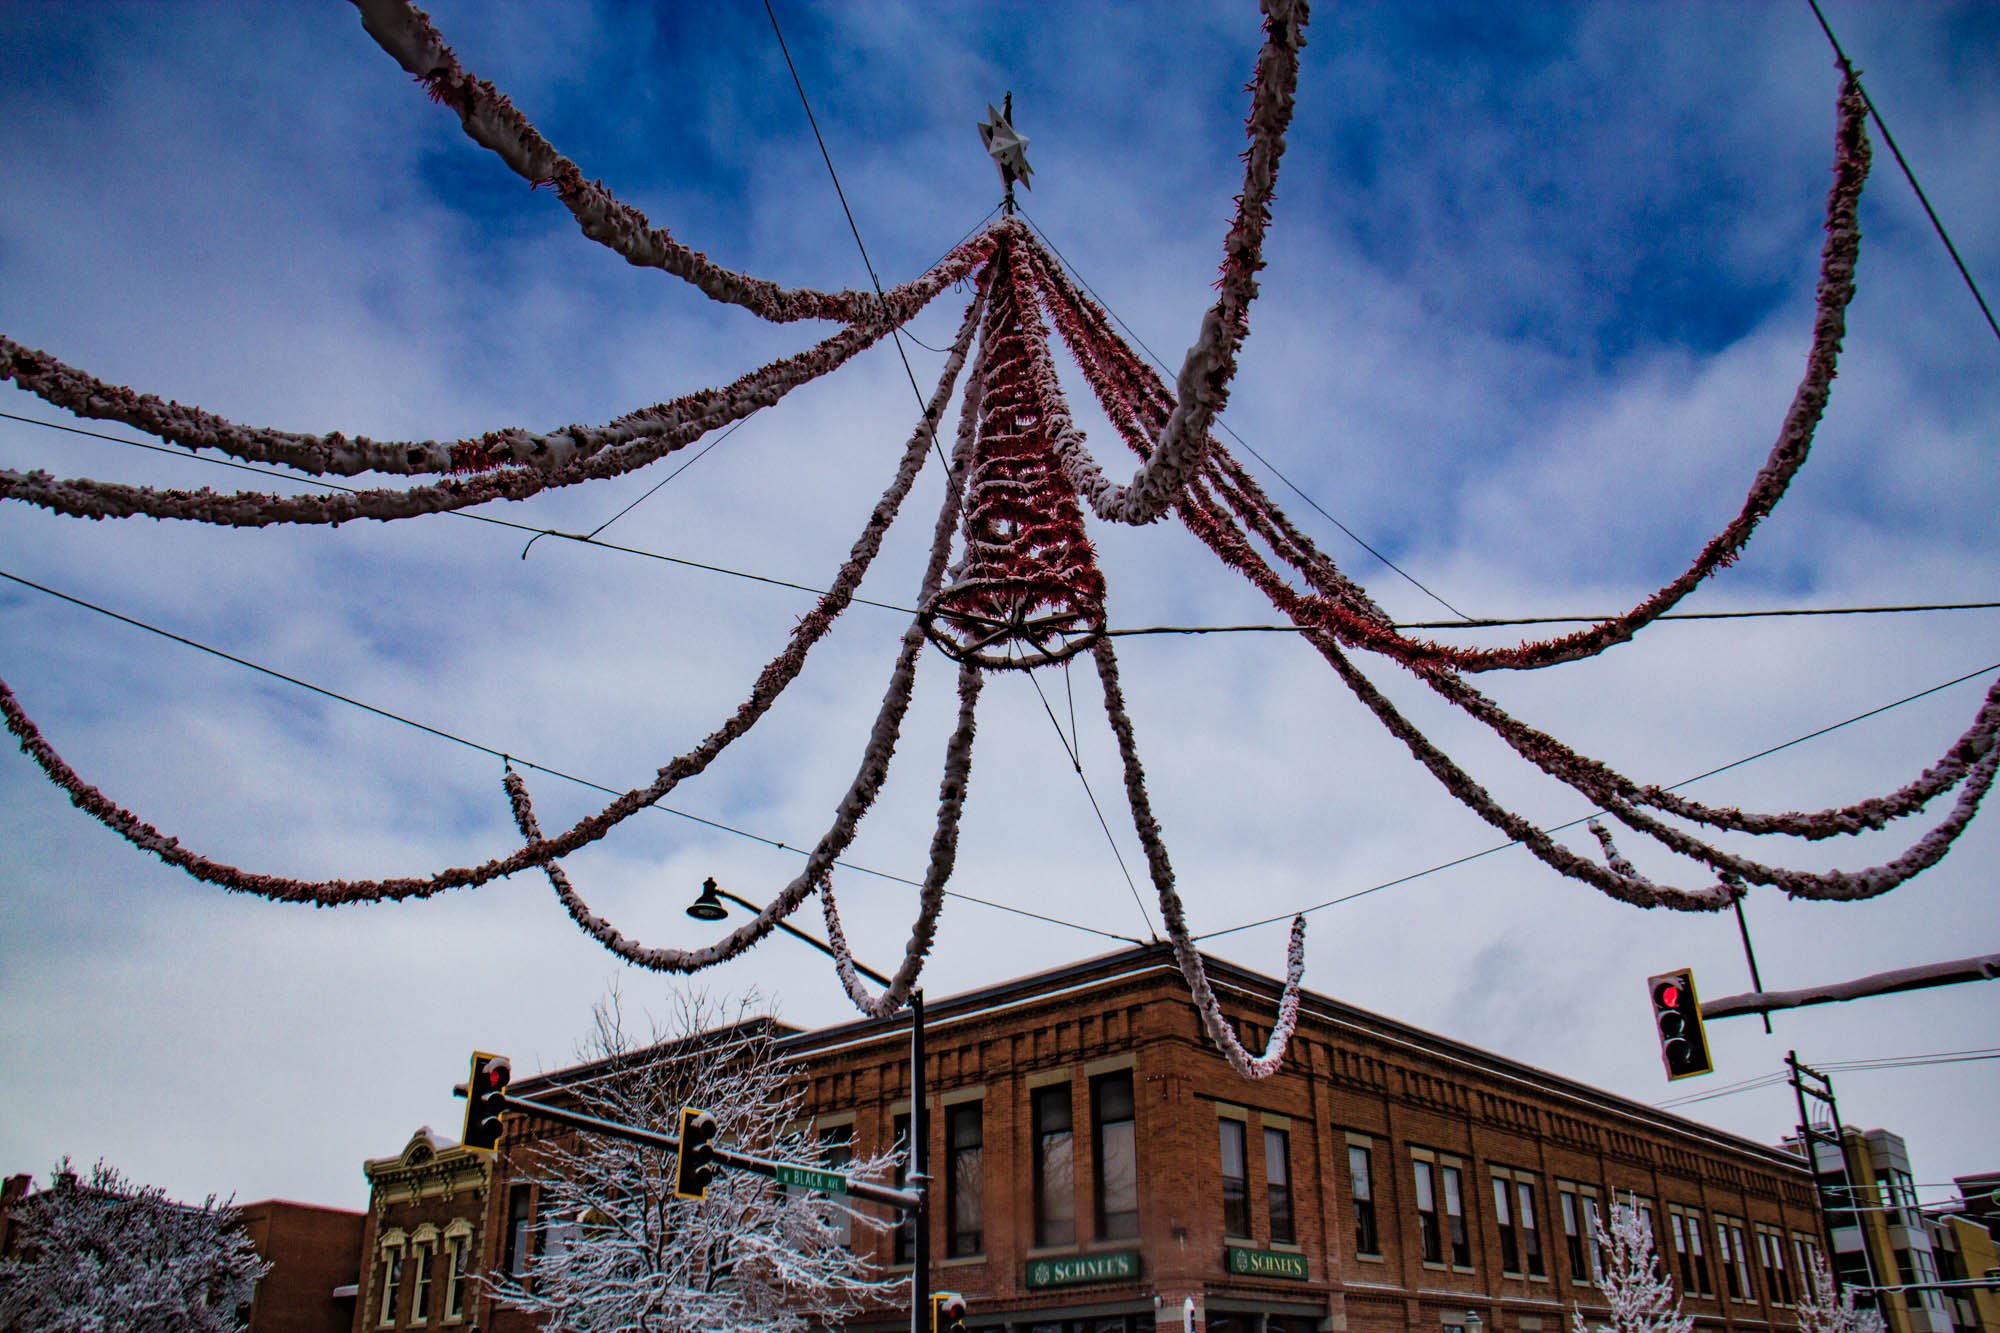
[[1833, 1197]]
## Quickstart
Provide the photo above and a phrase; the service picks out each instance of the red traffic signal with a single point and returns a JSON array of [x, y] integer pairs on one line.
[[694, 1166], [947, 1312], [1677, 1018], [486, 1100]]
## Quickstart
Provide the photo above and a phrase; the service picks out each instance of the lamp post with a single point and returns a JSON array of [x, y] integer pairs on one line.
[[1473, 1323], [708, 907]]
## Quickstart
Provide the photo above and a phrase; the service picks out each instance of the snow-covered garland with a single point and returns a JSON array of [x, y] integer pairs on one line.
[[1202, 388], [771, 682], [1028, 574], [1136, 401], [492, 121], [1133, 395], [512, 464], [1186, 952], [874, 769], [1028, 591]]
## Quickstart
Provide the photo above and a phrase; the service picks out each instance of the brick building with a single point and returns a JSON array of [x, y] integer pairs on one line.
[[1099, 1169], [314, 1255], [422, 1244]]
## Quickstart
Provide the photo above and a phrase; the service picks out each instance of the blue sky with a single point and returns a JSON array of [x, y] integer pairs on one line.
[[1539, 292]]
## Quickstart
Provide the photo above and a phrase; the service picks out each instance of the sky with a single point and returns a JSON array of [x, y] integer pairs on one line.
[[1539, 291]]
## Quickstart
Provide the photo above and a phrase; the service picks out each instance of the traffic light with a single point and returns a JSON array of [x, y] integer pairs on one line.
[[947, 1312], [1677, 1015], [694, 1167], [485, 1100]]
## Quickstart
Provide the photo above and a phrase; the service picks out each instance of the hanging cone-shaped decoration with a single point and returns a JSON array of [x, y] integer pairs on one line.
[[1027, 590]]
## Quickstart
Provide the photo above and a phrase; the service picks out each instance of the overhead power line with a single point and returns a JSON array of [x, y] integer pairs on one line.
[[1582, 819], [1875, 113], [515, 757]]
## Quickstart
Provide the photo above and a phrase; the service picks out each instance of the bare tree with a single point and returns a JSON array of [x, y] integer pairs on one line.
[[111, 1255], [1642, 1297], [1822, 1311], [614, 1248]]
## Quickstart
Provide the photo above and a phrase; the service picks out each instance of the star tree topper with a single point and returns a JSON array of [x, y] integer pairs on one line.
[[1007, 146]]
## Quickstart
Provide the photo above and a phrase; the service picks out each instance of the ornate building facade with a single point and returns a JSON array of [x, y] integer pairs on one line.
[[1099, 1169]]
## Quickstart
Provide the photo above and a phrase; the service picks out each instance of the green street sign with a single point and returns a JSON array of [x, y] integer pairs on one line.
[[831, 1182], [1266, 1263], [1113, 1267]]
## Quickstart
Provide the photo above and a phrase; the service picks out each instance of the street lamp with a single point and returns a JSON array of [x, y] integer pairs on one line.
[[1473, 1323], [708, 907]]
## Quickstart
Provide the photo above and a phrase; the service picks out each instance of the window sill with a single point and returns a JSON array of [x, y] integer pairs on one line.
[[1048, 1251], [1369, 1258], [1287, 1247], [1122, 1243], [962, 1261]]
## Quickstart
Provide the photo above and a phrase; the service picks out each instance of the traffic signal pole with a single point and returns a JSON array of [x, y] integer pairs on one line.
[[919, 1177]]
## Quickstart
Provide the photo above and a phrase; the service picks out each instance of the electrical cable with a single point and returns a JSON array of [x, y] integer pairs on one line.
[[509, 755], [1847, 1066], [1937, 224], [895, 332], [1583, 819], [1076, 762], [1231, 431]]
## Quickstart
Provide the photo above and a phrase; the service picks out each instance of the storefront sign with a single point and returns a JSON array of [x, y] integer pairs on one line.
[[1267, 1263], [1083, 1268]]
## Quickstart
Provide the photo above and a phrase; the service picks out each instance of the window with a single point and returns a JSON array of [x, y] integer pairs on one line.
[[836, 1146], [1686, 1224], [965, 1180], [420, 1283], [1579, 1215], [1055, 1166], [1771, 1255], [1454, 1213], [905, 1245], [1117, 1156], [1278, 1184], [1361, 1186], [1530, 1225], [1733, 1250], [1503, 1221], [1806, 1251], [1427, 1216], [520, 1239], [392, 1282], [1235, 1178], [458, 1255]]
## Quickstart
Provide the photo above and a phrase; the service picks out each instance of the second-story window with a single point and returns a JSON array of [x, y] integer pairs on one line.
[[1503, 1222], [458, 1254], [1579, 1214], [1688, 1250], [1361, 1187], [420, 1284], [1454, 1216], [1732, 1249], [1117, 1156], [392, 1284], [965, 1180], [520, 1236], [1055, 1166], [1235, 1178], [1278, 1184], [1427, 1213], [1777, 1277]]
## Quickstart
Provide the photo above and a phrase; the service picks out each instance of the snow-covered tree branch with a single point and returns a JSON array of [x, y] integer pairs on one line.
[[109, 1254], [614, 1248], [1642, 1297], [1822, 1311]]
